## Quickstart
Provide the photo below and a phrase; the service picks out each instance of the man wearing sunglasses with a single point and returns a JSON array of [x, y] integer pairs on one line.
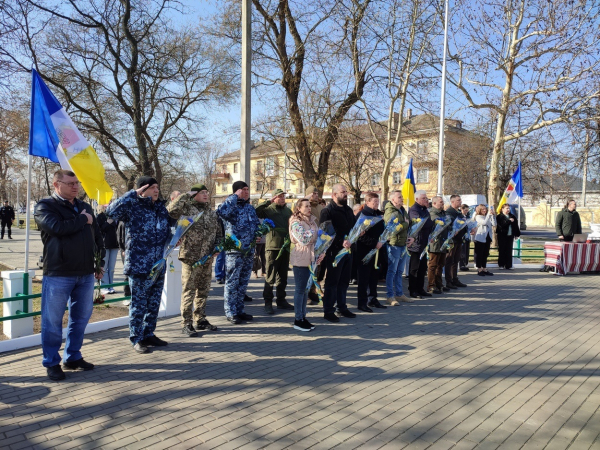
[[71, 239]]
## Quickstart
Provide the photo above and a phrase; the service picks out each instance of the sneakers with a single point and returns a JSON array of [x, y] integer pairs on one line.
[[404, 298], [365, 309], [244, 316], [205, 325], [283, 304], [112, 291], [331, 317], [234, 320], [189, 331], [457, 282], [347, 313], [269, 309], [375, 304], [141, 348], [301, 325], [55, 373], [79, 364], [306, 322], [154, 341], [392, 301]]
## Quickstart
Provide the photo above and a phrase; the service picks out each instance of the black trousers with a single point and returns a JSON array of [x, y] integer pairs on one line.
[[277, 276], [464, 254], [336, 283], [505, 247], [482, 251], [417, 270], [452, 260], [8, 224], [368, 276]]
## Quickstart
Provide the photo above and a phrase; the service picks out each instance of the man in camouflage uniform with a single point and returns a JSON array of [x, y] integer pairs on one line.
[[199, 241], [277, 268], [148, 229], [240, 220]]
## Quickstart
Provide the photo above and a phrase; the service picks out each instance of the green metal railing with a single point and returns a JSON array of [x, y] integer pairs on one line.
[[26, 296]]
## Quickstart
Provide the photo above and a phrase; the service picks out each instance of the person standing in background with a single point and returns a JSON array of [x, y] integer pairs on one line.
[[109, 233], [507, 229], [568, 222], [7, 217]]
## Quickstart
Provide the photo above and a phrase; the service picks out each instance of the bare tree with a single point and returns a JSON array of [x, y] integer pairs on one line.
[[132, 80], [14, 129], [403, 32], [528, 59]]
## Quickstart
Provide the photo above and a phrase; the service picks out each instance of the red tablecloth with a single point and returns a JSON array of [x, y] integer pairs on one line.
[[571, 257]]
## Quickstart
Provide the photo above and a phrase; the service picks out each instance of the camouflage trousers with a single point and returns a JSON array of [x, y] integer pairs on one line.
[[144, 306], [239, 269], [196, 286]]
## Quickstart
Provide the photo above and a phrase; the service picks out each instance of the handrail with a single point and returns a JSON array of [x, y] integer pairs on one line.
[[24, 298]]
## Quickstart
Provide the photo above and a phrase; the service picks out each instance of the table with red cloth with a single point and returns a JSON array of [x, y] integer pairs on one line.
[[572, 257]]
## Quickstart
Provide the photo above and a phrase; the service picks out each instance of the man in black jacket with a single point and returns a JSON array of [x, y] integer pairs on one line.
[[437, 256], [418, 266], [72, 246], [338, 278], [368, 275], [7, 216], [453, 256]]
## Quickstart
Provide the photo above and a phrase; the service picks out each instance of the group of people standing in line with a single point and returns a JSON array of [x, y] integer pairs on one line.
[[75, 240]]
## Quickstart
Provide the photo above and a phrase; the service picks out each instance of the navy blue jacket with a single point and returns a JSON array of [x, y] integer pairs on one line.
[[240, 219], [417, 211], [148, 230]]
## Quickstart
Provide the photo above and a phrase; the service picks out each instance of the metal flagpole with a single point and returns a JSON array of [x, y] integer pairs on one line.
[[27, 210], [246, 128], [440, 186]]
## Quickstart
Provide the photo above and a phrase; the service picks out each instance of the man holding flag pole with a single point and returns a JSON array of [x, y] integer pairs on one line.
[[72, 240]]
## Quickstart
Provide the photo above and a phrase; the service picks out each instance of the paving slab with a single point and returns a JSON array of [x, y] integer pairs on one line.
[[512, 361]]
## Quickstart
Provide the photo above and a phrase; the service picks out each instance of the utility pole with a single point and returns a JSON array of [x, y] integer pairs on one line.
[[440, 186], [246, 129], [586, 155]]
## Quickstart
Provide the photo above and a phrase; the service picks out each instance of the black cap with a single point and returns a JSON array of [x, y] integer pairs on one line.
[[238, 185], [145, 180]]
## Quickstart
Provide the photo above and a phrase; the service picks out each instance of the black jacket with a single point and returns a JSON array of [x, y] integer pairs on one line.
[[503, 223], [568, 223], [417, 211], [7, 214], [121, 235], [369, 240], [109, 231], [455, 214], [69, 242], [342, 218]]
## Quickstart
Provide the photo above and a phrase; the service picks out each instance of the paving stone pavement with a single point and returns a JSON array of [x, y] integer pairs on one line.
[[510, 362]]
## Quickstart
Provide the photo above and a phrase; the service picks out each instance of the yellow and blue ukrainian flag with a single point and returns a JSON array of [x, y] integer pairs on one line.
[[409, 187], [54, 136]]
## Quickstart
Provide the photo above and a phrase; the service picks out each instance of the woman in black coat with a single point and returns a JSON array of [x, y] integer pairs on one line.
[[507, 229]]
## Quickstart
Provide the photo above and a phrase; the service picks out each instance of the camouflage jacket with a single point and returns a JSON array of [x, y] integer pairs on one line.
[[148, 230], [201, 239], [239, 218]]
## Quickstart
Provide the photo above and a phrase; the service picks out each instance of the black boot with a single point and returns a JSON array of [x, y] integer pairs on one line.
[[283, 304], [269, 307]]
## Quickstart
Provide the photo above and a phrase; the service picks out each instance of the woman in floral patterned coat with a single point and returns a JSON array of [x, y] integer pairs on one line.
[[303, 234]]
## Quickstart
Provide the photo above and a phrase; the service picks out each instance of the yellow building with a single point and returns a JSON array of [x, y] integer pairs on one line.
[[273, 167]]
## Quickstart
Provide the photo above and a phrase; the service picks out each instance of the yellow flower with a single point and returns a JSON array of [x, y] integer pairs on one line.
[[185, 222]]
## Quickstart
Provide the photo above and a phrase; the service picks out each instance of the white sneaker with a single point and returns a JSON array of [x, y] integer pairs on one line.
[[300, 325]]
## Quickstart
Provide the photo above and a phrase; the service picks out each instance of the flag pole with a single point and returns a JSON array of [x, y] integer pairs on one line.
[[27, 212]]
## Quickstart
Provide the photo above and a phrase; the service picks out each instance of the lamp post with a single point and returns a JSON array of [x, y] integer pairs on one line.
[[246, 129], [440, 186]]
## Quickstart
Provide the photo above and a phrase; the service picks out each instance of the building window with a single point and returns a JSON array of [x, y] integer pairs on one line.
[[422, 147], [235, 168], [223, 187], [260, 186], [375, 179], [301, 187], [259, 167], [397, 177], [271, 185], [422, 176], [224, 168], [270, 166], [398, 150]]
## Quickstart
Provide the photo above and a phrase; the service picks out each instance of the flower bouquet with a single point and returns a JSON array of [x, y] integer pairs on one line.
[[326, 235], [183, 225], [231, 243], [391, 228], [440, 225], [285, 247], [362, 224], [458, 225], [218, 249]]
